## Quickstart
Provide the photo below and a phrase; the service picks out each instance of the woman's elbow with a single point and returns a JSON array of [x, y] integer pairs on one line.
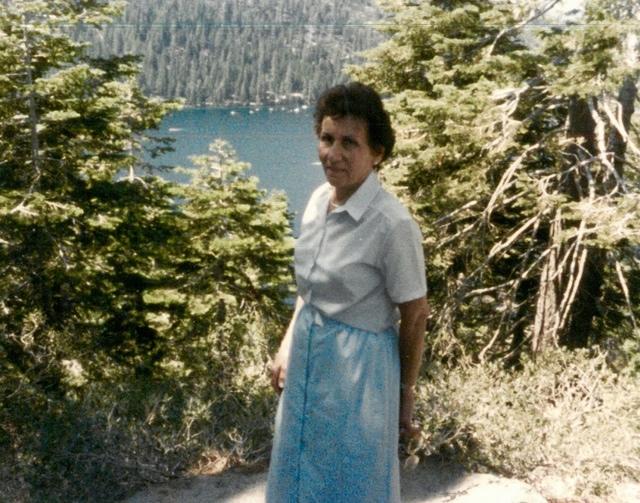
[[415, 312]]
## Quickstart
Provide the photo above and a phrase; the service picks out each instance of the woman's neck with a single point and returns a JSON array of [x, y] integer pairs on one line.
[[339, 197]]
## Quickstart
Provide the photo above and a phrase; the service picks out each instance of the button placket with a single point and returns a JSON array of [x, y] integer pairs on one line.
[[316, 254]]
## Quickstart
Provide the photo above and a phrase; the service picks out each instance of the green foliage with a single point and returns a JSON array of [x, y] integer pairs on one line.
[[237, 52], [526, 190], [564, 414], [136, 316]]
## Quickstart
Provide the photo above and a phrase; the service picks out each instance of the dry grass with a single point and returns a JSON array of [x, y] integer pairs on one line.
[[567, 415]]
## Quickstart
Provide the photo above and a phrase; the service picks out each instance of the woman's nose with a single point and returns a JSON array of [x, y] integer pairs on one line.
[[334, 151]]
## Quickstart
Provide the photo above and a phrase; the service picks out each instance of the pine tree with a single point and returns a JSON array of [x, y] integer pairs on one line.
[[70, 125], [113, 278], [506, 155]]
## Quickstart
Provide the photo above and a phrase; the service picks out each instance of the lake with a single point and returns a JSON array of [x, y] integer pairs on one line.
[[279, 144]]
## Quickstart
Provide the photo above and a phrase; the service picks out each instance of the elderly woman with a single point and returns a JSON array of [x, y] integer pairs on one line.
[[346, 367]]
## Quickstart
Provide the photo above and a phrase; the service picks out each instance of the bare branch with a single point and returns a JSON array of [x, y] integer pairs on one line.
[[499, 247], [483, 291], [448, 217], [536, 15], [458, 234], [625, 290], [602, 145], [506, 179], [618, 123], [575, 276], [23, 210]]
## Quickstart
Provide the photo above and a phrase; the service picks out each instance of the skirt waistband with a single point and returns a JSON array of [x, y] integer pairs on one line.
[[314, 316]]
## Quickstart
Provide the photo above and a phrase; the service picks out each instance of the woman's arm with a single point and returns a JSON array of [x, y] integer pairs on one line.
[[413, 321], [279, 365]]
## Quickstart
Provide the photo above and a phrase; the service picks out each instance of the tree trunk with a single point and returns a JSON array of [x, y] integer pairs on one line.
[[586, 306], [617, 142], [547, 315], [33, 112]]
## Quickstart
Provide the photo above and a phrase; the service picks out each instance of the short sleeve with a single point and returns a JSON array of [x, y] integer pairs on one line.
[[403, 262]]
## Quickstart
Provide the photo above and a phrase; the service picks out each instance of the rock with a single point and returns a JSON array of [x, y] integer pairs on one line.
[[557, 488], [626, 493]]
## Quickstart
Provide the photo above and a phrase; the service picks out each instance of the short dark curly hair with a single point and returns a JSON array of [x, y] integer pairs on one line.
[[362, 102]]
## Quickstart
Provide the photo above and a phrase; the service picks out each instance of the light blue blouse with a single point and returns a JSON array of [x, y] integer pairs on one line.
[[357, 263]]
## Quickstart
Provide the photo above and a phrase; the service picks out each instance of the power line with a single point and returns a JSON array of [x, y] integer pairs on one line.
[[376, 25]]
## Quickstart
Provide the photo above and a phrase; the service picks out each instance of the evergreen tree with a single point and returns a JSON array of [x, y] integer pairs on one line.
[[511, 156], [113, 280]]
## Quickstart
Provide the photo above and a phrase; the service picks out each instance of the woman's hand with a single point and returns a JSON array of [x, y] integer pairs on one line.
[[278, 371], [408, 430], [279, 365]]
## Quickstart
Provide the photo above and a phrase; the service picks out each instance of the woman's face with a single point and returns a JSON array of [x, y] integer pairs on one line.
[[345, 154]]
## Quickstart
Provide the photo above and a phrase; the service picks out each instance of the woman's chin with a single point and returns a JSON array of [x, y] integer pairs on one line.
[[332, 179]]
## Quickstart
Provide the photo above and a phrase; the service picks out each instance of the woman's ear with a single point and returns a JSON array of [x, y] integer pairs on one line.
[[378, 155]]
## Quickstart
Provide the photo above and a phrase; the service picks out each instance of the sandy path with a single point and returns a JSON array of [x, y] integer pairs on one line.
[[430, 482]]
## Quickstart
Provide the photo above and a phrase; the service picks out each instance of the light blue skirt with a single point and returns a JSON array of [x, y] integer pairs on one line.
[[336, 431]]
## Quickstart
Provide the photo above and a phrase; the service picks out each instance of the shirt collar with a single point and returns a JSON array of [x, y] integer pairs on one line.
[[362, 198]]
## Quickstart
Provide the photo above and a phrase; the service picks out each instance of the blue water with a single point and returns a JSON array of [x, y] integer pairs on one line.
[[280, 145]]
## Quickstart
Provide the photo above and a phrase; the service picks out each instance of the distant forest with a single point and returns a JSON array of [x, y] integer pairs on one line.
[[224, 52]]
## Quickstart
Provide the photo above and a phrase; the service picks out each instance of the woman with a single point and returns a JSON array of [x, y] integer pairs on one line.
[[347, 373]]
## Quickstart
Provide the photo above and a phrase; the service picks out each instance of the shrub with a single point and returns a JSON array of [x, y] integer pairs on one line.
[[103, 439], [566, 414], [157, 367]]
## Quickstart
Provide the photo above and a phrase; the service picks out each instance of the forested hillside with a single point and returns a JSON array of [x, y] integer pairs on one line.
[[241, 51]]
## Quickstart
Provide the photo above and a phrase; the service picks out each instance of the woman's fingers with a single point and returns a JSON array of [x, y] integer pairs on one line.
[[281, 377], [408, 429], [408, 432], [275, 376], [278, 375]]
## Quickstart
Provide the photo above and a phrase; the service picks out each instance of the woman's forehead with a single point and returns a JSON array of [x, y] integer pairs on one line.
[[346, 124]]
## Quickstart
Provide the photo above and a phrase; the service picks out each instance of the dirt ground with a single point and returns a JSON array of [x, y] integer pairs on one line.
[[432, 481]]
